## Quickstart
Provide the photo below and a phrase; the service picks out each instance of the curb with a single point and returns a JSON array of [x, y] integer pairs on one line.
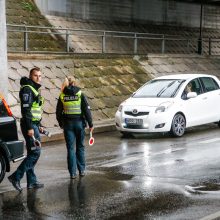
[[99, 127]]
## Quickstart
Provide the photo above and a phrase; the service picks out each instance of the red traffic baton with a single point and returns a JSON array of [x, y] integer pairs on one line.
[[91, 139]]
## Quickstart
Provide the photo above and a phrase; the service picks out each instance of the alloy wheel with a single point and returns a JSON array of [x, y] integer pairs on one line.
[[178, 125]]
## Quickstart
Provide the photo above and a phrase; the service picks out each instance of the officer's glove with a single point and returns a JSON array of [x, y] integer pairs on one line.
[[61, 125]]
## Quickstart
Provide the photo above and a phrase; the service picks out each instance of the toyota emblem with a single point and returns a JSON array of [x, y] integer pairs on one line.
[[134, 111]]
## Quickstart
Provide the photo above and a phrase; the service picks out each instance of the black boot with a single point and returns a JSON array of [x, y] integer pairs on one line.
[[15, 183]]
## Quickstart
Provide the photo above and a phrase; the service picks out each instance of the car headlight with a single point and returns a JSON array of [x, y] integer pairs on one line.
[[160, 109], [120, 108], [163, 107]]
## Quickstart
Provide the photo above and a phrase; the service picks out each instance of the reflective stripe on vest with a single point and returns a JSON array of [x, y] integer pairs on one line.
[[36, 108], [71, 103]]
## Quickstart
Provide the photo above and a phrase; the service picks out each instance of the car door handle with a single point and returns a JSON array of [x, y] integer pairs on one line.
[[204, 98]]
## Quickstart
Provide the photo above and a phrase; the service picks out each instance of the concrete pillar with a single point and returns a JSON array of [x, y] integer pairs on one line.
[[3, 51]]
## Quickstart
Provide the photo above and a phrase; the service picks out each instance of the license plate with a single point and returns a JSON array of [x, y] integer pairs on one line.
[[134, 121]]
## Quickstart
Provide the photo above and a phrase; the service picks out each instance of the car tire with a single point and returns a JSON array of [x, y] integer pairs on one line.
[[178, 125], [218, 123], [2, 167]]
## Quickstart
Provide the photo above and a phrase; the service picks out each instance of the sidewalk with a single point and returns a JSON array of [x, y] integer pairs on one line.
[[99, 126]]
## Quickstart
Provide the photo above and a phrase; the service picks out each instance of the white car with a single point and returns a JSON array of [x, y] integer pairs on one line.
[[171, 104]]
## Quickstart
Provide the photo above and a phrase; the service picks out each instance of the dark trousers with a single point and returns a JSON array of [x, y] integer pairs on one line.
[[74, 134], [33, 155]]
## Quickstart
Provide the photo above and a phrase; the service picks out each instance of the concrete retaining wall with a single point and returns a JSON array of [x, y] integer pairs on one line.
[[106, 81], [138, 11]]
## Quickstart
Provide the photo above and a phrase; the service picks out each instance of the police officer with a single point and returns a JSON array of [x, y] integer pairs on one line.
[[72, 113], [31, 110]]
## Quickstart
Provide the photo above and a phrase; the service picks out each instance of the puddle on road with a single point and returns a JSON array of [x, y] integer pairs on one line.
[[205, 188], [145, 207], [119, 176], [179, 160]]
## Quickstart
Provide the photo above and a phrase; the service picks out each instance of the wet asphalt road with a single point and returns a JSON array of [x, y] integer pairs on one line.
[[145, 177]]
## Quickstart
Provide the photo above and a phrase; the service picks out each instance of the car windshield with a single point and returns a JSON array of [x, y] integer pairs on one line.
[[165, 88]]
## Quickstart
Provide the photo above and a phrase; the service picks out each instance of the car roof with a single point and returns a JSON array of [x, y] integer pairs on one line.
[[184, 76]]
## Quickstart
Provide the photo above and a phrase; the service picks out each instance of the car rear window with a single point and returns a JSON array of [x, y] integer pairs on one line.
[[3, 110]]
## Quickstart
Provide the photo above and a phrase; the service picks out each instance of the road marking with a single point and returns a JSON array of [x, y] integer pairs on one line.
[[120, 161], [168, 151], [210, 141], [212, 216]]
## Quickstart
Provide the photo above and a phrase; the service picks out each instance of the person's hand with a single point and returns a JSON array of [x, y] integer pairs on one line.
[[41, 129], [61, 125], [31, 132], [91, 129]]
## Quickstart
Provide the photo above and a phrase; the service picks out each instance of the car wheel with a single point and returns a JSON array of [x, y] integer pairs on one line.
[[178, 125], [2, 167]]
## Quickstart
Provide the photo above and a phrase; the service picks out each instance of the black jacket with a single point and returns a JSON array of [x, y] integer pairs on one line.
[[85, 108], [27, 97]]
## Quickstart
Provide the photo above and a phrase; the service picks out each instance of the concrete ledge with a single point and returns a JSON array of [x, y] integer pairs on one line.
[[63, 55]]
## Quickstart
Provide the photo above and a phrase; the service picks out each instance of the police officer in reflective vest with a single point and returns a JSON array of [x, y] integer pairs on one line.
[[73, 113], [31, 110]]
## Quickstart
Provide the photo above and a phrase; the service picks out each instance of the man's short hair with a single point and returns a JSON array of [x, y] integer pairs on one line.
[[33, 70]]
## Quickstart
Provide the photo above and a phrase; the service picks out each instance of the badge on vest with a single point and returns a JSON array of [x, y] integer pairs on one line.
[[70, 98], [25, 97]]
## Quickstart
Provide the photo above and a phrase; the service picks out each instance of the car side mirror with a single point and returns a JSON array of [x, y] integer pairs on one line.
[[191, 95]]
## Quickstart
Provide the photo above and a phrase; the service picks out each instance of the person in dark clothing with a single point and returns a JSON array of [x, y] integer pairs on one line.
[[31, 110], [73, 113]]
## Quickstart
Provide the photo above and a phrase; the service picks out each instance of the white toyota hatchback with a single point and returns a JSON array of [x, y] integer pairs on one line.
[[171, 104]]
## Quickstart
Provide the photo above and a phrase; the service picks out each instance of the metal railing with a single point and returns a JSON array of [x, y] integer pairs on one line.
[[137, 42]]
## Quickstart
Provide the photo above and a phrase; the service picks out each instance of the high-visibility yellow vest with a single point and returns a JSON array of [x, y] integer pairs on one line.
[[71, 103], [37, 107]]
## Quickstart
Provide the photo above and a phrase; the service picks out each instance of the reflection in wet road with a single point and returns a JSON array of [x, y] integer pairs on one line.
[[145, 177]]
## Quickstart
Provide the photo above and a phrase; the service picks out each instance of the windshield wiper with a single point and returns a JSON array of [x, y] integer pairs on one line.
[[180, 83], [164, 89]]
